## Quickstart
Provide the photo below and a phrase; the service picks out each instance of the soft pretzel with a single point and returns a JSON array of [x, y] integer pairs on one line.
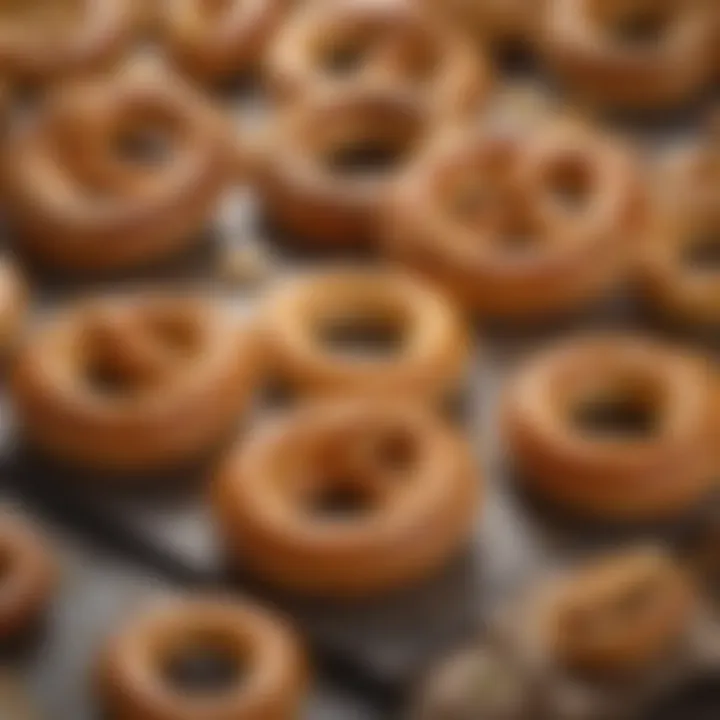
[[27, 576], [614, 637], [518, 225], [635, 54], [136, 667], [45, 40], [84, 194], [299, 318], [135, 382], [618, 613], [398, 44], [314, 179], [348, 498], [688, 174], [672, 282], [678, 270], [555, 432], [215, 40]]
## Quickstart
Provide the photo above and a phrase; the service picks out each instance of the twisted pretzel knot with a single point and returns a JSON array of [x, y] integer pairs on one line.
[[396, 44], [638, 54], [622, 612], [44, 38], [554, 186], [85, 197], [321, 500], [90, 121], [28, 578], [383, 47], [143, 347], [685, 219], [693, 175], [212, 39], [360, 453]]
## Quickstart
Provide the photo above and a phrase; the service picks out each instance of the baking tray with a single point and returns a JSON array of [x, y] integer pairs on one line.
[[119, 547], [99, 589]]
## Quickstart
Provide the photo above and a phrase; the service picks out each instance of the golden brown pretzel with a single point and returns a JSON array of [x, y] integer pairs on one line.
[[218, 39], [560, 423], [134, 382], [13, 304], [678, 261], [637, 54], [43, 40], [496, 21], [80, 197], [27, 576], [619, 613], [689, 175], [348, 498], [300, 316], [313, 180], [400, 44], [677, 285], [518, 225], [136, 680]]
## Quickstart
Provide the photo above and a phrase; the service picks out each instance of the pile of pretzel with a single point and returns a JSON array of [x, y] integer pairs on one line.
[[382, 135]]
